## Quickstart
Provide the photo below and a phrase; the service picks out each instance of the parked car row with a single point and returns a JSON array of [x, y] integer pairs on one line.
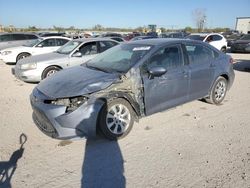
[[75, 52]]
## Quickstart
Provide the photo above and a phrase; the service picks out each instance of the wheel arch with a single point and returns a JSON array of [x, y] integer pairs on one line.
[[49, 67], [125, 96], [22, 53], [224, 75]]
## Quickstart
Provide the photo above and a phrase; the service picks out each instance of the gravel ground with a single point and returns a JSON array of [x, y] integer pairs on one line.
[[193, 145]]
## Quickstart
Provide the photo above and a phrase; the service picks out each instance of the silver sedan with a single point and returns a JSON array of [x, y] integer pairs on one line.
[[75, 52]]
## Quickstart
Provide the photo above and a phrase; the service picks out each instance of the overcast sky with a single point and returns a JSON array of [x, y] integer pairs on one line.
[[120, 13]]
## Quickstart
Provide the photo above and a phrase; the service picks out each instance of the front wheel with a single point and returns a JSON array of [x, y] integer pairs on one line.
[[49, 71], [218, 91], [22, 55], [116, 119]]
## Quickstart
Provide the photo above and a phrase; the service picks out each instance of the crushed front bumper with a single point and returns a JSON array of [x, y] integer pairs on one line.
[[55, 122]]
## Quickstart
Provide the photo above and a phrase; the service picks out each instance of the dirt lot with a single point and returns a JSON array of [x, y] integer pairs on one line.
[[193, 145]]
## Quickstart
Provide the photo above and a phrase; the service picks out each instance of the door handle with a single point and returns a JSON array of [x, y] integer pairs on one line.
[[212, 65]]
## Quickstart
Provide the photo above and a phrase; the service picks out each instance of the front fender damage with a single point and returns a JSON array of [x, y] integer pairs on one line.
[[130, 88], [84, 119]]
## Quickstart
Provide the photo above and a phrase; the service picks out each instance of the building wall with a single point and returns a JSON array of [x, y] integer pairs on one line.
[[243, 25]]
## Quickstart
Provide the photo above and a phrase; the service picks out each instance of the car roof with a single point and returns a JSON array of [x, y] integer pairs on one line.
[[165, 41], [25, 33], [94, 39], [58, 37], [156, 41], [205, 34]]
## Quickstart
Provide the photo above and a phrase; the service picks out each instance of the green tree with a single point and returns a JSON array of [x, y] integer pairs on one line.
[[58, 29], [163, 30], [32, 28], [188, 29]]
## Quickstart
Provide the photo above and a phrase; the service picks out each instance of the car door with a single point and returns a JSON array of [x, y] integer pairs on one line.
[[88, 51], [202, 69], [45, 46], [170, 89]]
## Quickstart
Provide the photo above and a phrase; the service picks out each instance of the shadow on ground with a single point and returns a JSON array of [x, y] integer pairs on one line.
[[103, 165], [8, 168], [242, 65]]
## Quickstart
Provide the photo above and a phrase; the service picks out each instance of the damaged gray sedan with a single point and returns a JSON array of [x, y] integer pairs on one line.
[[127, 82]]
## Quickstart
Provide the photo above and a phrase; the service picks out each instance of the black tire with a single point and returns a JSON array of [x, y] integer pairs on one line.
[[218, 91], [117, 118], [49, 71], [223, 49], [22, 55]]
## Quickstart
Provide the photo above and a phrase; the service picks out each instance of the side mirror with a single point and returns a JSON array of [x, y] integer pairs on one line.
[[77, 54], [40, 45], [156, 72]]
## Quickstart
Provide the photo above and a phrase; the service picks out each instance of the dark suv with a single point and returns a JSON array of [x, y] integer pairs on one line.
[[15, 39]]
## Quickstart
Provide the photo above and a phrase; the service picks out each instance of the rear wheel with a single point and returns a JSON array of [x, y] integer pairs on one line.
[[116, 119], [50, 71], [218, 91], [22, 55]]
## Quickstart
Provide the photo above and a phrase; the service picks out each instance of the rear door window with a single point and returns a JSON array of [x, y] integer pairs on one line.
[[48, 43], [18, 37], [60, 42], [199, 54], [104, 45], [88, 48], [216, 37]]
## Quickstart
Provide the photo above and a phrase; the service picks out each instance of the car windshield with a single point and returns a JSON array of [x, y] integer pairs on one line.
[[120, 58], [196, 37], [245, 37], [32, 43], [68, 47]]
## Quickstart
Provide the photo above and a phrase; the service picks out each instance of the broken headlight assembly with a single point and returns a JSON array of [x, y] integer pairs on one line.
[[71, 103]]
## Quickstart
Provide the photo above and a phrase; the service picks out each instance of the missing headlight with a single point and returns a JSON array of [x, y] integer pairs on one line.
[[75, 103], [71, 103]]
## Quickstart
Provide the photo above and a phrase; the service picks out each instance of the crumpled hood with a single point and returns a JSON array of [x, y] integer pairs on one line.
[[76, 81], [43, 57]]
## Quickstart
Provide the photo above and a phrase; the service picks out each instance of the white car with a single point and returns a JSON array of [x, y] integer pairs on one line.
[[216, 40], [75, 52], [36, 47]]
